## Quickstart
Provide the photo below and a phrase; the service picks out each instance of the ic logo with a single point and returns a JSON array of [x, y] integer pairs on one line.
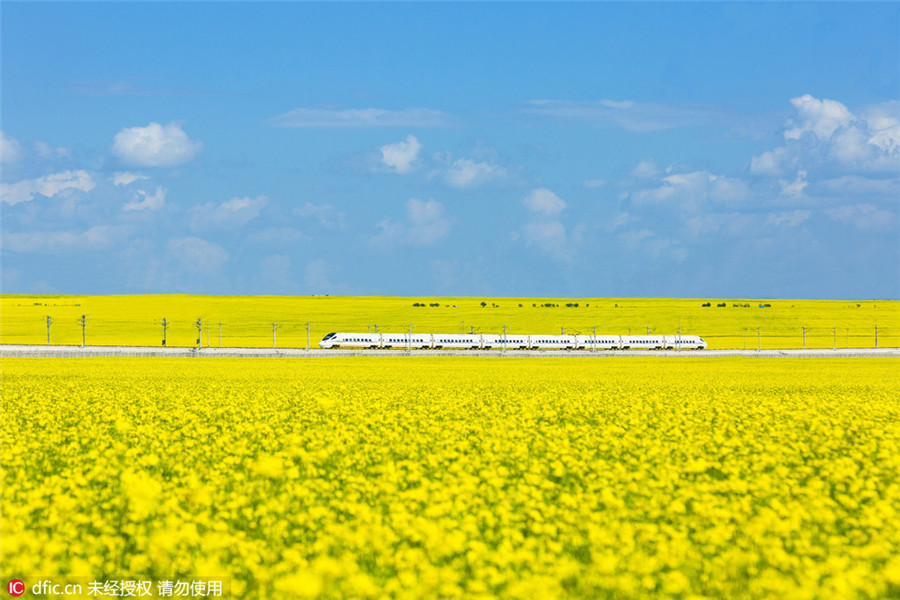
[[15, 587]]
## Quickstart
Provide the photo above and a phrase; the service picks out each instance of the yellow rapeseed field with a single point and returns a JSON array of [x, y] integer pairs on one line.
[[456, 478], [247, 321]]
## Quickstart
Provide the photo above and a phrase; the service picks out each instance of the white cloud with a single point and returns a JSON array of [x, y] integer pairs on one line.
[[654, 195], [633, 239], [727, 190], [400, 156], [231, 214], [549, 236], [99, 237], [594, 183], [822, 117], [690, 191], [790, 218], [850, 146], [425, 225], [10, 149], [49, 186], [629, 115], [855, 185], [706, 223], [389, 233], [646, 169], [884, 124], [657, 247], [195, 255], [545, 231], [147, 202], [467, 173], [769, 162], [794, 188], [46, 151], [367, 117], [864, 217], [325, 214], [731, 224], [826, 133], [545, 202], [125, 178], [155, 145], [278, 236]]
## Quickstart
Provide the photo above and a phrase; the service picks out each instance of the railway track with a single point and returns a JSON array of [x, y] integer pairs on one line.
[[41, 351]]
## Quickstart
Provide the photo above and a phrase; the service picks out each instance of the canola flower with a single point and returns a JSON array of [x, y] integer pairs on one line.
[[457, 478]]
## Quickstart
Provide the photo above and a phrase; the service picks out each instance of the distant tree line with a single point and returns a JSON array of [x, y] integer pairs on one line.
[[723, 305]]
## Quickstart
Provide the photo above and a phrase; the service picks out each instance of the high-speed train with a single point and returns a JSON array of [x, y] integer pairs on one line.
[[437, 341]]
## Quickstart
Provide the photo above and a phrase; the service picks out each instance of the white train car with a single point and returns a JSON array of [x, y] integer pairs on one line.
[[662, 342], [455, 341], [351, 340], [439, 341], [599, 342]]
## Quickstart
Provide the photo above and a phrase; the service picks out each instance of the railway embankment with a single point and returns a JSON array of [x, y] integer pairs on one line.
[[40, 351]]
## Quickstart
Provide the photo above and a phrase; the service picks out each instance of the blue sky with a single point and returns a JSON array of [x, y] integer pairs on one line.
[[510, 149]]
